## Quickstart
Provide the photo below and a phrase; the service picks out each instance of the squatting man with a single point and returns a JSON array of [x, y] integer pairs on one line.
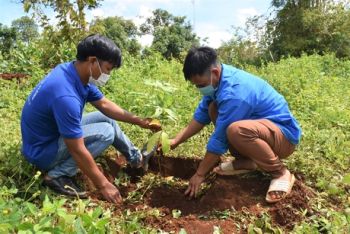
[[252, 120]]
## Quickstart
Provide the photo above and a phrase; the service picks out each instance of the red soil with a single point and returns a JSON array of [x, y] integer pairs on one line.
[[10, 76], [239, 193]]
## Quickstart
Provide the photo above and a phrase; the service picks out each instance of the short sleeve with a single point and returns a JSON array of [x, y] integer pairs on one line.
[[201, 114], [94, 94], [67, 113]]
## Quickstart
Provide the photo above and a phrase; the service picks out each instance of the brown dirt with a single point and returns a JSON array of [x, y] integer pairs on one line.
[[192, 224], [241, 193], [224, 193], [10, 76]]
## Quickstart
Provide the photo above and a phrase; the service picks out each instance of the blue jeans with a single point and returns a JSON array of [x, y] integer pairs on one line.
[[99, 132]]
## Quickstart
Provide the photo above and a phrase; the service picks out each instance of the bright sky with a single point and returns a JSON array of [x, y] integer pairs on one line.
[[211, 19]]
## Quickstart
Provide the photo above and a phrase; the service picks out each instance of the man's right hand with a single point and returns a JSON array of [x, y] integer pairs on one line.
[[111, 193], [173, 144]]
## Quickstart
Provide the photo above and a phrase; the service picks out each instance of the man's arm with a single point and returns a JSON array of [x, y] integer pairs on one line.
[[114, 111], [192, 128], [86, 163]]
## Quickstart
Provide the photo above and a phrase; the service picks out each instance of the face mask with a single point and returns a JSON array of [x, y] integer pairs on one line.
[[101, 80], [208, 90]]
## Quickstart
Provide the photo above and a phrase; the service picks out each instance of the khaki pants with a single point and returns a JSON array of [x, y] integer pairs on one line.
[[258, 140]]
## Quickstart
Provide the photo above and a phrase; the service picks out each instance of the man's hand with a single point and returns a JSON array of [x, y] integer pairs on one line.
[[173, 144], [149, 123], [194, 185], [111, 193], [209, 161]]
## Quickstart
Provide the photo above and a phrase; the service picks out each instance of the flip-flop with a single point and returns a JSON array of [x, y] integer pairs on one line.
[[280, 185], [226, 168]]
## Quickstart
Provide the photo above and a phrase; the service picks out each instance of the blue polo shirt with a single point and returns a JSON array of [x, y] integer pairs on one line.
[[54, 109], [242, 96]]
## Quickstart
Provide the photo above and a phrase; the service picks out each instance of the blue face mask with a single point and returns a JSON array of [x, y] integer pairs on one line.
[[208, 90]]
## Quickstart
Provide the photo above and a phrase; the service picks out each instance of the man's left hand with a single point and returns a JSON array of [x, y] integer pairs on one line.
[[194, 185]]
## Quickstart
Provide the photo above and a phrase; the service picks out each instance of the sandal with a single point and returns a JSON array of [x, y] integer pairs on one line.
[[226, 168], [280, 185]]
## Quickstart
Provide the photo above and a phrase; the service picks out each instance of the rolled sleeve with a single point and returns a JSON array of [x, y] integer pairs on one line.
[[230, 110], [67, 113], [201, 114]]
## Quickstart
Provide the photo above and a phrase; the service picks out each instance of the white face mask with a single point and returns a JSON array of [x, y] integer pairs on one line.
[[101, 80]]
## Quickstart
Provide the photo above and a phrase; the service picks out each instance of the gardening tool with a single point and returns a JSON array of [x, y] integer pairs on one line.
[[147, 155]]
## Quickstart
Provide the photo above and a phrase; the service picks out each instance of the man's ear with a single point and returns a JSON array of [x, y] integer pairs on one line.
[[216, 71], [92, 59]]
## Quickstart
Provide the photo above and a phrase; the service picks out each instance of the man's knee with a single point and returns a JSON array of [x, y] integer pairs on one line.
[[233, 129], [108, 134], [238, 131]]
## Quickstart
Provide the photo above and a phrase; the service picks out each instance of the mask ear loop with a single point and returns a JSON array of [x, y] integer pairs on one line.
[[99, 67]]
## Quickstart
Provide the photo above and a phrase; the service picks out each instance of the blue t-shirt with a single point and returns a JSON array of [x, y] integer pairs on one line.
[[54, 109], [242, 96]]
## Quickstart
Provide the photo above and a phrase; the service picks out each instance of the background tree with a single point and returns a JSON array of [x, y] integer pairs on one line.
[[310, 26], [7, 39], [172, 35], [123, 32], [58, 41], [26, 29], [247, 45]]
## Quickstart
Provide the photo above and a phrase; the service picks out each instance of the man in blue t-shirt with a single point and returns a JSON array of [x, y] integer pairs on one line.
[[58, 138], [252, 120]]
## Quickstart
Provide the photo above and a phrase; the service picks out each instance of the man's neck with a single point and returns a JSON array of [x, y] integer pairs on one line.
[[83, 72]]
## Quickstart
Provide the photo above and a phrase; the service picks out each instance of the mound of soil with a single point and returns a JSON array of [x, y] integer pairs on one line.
[[245, 192]]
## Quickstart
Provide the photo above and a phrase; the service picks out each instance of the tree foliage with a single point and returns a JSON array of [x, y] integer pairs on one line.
[[70, 28], [310, 26], [247, 45], [293, 28], [26, 29], [172, 35], [123, 32], [69, 14], [7, 39]]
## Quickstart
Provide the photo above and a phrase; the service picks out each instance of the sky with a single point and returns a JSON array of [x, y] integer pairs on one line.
[[210, 19]]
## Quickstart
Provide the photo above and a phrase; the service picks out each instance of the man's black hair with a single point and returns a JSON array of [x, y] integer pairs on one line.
[[101, 47], [198, 60]]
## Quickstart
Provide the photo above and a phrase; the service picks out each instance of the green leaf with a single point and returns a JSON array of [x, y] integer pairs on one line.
[[170, 114], [97, 212], [32, 208], [86, 219], [182, 231], [68, 218], [25, 226], [165, 143], [78, 226], [5, 227], [153, 141], [102, 223], [48, 207], [156, 114], [26, 6], [346, 179]]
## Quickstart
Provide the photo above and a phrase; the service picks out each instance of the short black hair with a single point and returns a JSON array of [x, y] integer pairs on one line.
[[198, 60], [101, 47]]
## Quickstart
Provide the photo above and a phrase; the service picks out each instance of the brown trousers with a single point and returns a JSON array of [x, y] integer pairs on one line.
[[258, 140]]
